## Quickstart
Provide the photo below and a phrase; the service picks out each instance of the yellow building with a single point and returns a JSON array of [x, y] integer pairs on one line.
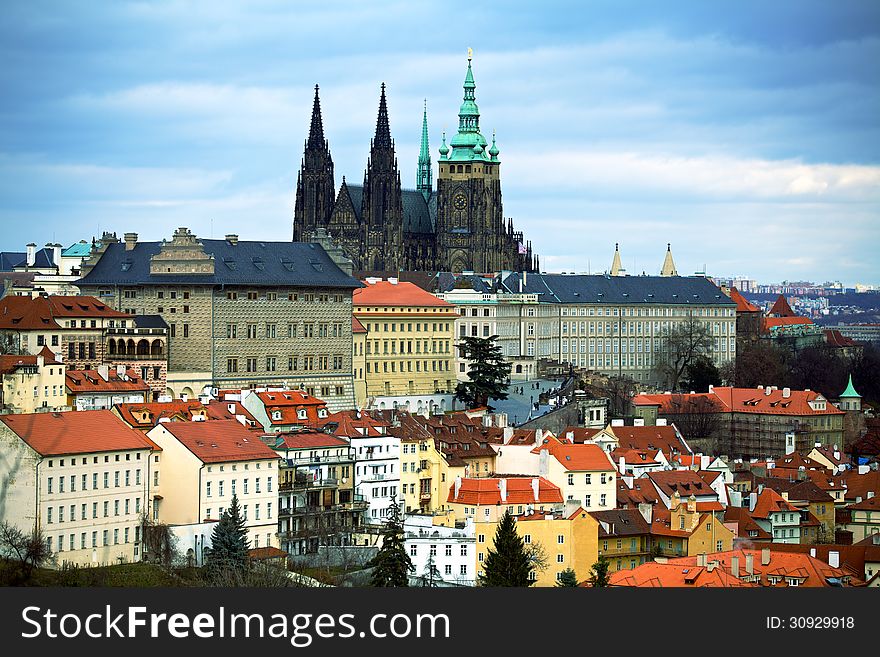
[[409, 347], [424, 472], [564, 539], [689, 528], [359, 361], [625, 536], [32, 384]]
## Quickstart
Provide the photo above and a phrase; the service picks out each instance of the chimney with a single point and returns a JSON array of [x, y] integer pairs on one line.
[[130, 241], [692, 504], [813, 552], [617, 423], [786, 393], [834, 558], [734, 566], [661, 422], [231, 408], [502, 486], [753, 499], [836, 456], [40, 361], [535, 488], [622, 466], [457, 486], [647, 511], [183, 396], [121, 371], [232, 238], [701, 559], [750, 564], [56, 253], [711, 565], [765, 556], [104, 372], [31, 254], [525, 278], [508, 433], [639, 422], [711, 389]]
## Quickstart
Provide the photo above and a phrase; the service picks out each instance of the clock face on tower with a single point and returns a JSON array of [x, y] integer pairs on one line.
[[459, 201]]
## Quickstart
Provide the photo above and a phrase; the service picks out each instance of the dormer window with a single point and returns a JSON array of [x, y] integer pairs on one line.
[[276, 415], [322, 412], [301, 414]]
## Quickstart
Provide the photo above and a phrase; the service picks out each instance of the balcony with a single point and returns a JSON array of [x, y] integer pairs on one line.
[[375, 477], [312, 510], [425, 496], [316, 460]]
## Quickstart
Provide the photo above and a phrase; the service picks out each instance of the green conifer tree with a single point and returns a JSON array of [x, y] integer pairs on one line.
[[488, 372], [599, 572], [507, 562], [567, 578], [392, 565], [229, 542]]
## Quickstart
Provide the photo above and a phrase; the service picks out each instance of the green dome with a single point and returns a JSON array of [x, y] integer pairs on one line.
[[444, 149], [850, 390], [468, 144]]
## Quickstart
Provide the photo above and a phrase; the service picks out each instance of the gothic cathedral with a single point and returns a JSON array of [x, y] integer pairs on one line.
[[382, 227]]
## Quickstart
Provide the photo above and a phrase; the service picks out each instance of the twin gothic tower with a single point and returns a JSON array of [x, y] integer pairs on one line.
[[382, 227]]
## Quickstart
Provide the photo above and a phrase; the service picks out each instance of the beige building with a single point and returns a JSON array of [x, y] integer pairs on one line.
[[82, 478], [32, 384], [359, 361], [410, 344], [204, 464]]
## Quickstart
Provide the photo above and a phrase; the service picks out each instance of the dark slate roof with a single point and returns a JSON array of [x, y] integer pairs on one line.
[[667, 290], [150, 322], [418, 215], [9, 260], [301, 264], [447, 281]]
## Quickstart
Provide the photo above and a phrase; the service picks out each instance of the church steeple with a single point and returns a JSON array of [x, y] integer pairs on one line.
[[469, 144], [616, 268], [668, 264], [383, 130], [316, 130], [315, 188], [424, 181]]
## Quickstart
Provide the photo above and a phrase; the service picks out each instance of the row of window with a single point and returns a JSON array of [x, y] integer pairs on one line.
[[653, 311], [54, 514], [293, 330], [392, 327], [436, 366], [323, 362], [308, 297], [244, 512], [71, 543], [245, 487], [406, 347], [84, 481]]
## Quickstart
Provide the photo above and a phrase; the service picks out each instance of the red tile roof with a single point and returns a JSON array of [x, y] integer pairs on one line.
[[811, 571], [219, 441], [352, 424], [307, 440], [26, 314], [668, 575], [649, 438], [769, 501], [581, 458], [383, 293], [781, 308], [91, 381], [578, 434], [289, 403], [220, 410], [10, 363], [747, 400], [75, 432], [356, 326], [147, 415], [869, 504], [743, 305], [83, 306], [836, 339], [683, 482], [487, 491]]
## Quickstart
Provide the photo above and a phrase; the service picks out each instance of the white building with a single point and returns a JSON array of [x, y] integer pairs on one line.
[[204, 464], [377, 461], [82, 478], [451, 549]]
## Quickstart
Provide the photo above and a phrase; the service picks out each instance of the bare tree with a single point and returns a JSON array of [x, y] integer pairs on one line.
[[537, 556], [9, 343], [159, 542], [680, 347], [698, 417], [619, 390], [24, 551]]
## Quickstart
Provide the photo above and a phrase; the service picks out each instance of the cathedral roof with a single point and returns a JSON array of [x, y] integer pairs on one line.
[[419, 215], [666, 290], [242, 263]]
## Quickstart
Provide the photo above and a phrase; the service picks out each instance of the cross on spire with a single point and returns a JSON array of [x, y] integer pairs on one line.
[[316, 130], [383, 130]]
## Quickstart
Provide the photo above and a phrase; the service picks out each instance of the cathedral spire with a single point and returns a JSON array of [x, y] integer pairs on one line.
[[424, 181], [383, 130], [316, 130], [469, 144], [668, 264]]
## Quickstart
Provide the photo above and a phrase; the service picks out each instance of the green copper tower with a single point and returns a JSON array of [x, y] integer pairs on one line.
[[469, 144], [424, 182]]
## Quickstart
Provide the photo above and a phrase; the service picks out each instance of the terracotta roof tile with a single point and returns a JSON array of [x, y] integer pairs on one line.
[[219, 441], [75, 432], [487, 491], [384, 293]]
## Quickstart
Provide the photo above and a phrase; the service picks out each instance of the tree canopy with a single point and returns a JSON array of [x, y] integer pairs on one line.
[[488, 372], [391, 565], [229, 542]]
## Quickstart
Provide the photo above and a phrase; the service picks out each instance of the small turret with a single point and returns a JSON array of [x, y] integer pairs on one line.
[[616, 268], [668, 265]]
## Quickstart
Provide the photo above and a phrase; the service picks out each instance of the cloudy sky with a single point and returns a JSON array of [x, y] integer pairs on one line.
[[744, 133]]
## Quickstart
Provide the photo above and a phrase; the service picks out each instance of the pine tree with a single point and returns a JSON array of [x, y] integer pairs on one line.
[[391, 565], [488, 372], [229, 542], [431, 576], [507, 562], [567, 578], [599, 572]]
